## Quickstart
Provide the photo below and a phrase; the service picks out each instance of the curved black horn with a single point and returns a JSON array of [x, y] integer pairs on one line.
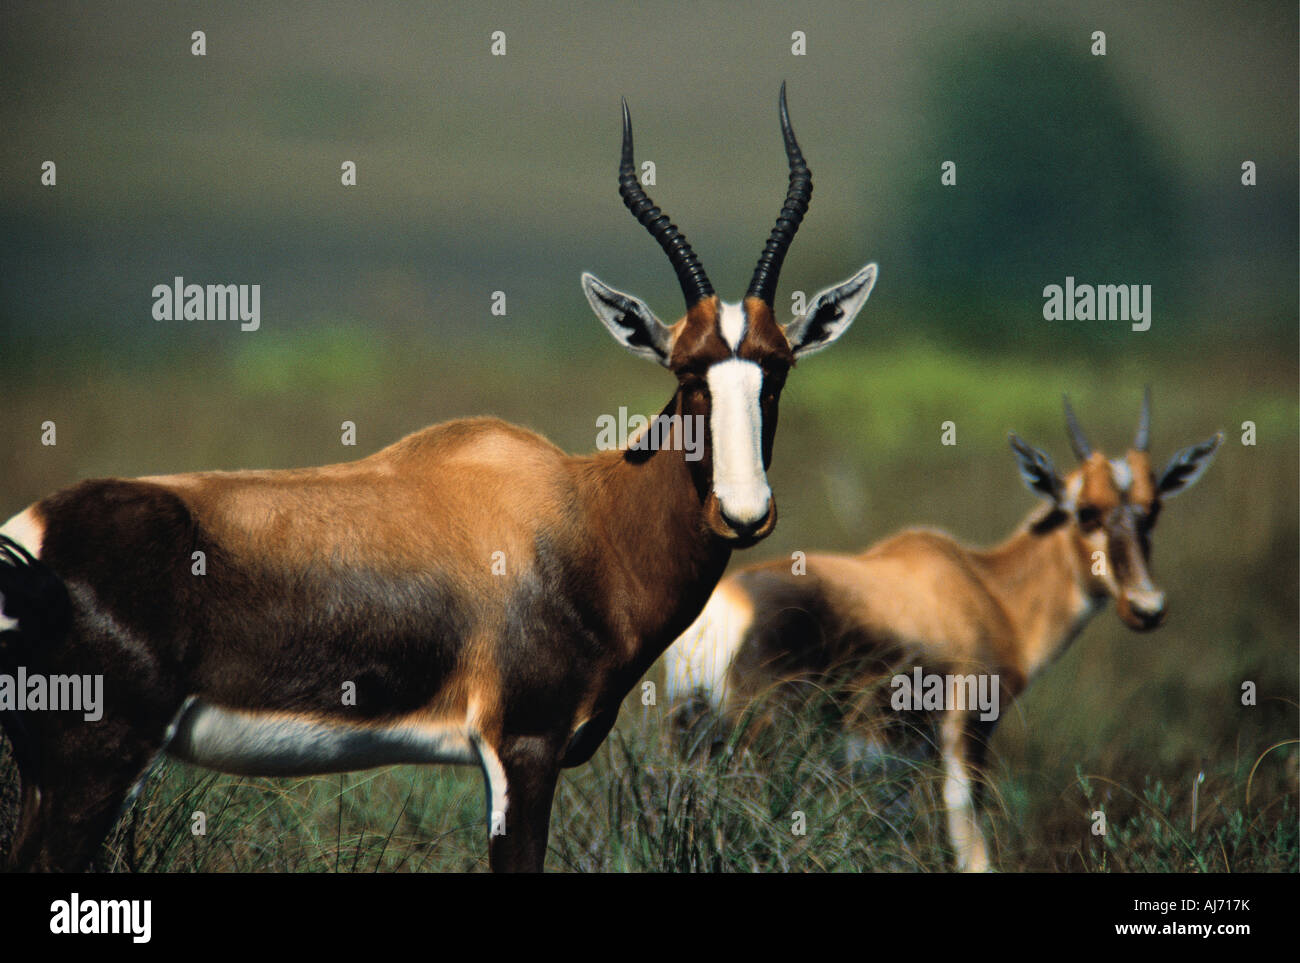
[[1077, 440], [1143, 438], [690, 273], [797, 197]]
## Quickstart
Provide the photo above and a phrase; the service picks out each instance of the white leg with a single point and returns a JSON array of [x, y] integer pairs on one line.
[[963, 820], [494, 776]]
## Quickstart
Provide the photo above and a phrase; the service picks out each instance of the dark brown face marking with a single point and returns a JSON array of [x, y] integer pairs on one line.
[[699, 341], [764, 342], [1100, 498]]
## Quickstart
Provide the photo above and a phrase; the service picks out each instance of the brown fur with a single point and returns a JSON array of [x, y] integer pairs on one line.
[[920, 594], [380, 571], [921, 598], [765, 340], [1143, 491]]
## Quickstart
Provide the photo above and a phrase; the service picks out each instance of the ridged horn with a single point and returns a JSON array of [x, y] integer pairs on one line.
[[797, 198], [690, 273]]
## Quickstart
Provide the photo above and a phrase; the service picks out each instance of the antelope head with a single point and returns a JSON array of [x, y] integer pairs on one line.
[[1112, 505], [730, 359]]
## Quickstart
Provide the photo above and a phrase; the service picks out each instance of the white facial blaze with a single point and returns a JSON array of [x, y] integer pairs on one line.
[[736, 424], [732, 322], [1121, 474]]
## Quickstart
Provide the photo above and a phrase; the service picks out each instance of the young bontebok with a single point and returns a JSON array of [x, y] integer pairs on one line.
[[919, 600], [470, 594]]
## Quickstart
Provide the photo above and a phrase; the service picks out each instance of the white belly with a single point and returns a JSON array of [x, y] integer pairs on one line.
[[253, 743]]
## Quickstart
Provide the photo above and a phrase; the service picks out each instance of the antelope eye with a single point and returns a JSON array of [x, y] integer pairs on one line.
[[695, 387], [1089, 517]]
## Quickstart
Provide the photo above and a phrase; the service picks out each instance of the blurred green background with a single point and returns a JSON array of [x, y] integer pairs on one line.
[[479, 173]]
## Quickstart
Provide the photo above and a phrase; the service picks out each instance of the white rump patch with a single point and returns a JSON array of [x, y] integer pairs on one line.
[[737, 428], [700, 659], [253, 743], [24, 529]]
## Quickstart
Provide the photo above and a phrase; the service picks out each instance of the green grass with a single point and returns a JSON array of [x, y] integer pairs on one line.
[[657, 800], [1122, 723]]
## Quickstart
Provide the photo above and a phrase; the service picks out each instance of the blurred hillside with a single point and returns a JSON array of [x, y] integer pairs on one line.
[[479, 173]]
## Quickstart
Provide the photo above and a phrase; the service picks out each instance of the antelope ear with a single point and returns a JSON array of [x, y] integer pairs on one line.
[[1186, 468], [1037, 470], [629, 320], [830, 313]]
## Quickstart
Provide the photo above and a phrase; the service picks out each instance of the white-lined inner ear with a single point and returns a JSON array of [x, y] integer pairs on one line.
[[629, 320], [736, 424]]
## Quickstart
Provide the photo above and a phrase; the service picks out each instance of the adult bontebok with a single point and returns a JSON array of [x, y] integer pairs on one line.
[[967, 619], [470, 594]]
